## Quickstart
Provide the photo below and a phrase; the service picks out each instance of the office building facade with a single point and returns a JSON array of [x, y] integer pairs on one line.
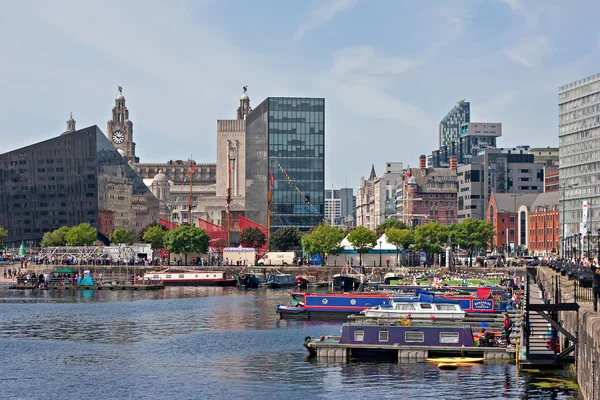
[[449, 135], [67, 180], [285, 151], [496, 171], [340, 207], [579, 158]]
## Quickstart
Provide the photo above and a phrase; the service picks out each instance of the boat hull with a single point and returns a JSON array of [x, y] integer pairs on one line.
[[200, 282]]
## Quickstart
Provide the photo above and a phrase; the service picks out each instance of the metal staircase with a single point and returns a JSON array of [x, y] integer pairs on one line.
[[547, 342]]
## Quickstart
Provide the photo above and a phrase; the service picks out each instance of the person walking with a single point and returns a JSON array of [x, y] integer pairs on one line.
[[507, 329], [596, 284]]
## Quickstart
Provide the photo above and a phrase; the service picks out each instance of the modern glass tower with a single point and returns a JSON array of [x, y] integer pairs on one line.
[[285, 150], [69, 179]]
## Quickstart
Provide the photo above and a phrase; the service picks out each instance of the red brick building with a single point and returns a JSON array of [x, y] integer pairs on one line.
[[551, 179], [429, 194], [106, 222], [543, 226], [508, 214]]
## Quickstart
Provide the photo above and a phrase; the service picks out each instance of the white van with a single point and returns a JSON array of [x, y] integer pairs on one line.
[[277, 258]]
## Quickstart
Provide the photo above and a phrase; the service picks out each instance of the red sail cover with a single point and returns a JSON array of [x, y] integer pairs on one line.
[[215, 232], [168, 224], [248, 223]]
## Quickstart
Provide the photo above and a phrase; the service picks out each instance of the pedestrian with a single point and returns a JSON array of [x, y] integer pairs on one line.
[[507, 329], [596, 270]]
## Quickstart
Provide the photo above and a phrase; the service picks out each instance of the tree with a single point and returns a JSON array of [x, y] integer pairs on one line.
[[121, 236], [3, 236], [57, 237], [323, 239], [400, 238], [389, 223], [187, 239], [252, 237], [363, 240], [284, 238], [431, 237], [140, 235], [81, 235], [472, 234], [155, 236]]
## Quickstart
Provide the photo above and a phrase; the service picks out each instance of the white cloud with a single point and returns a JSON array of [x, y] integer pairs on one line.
[[531, 51], [516, 6], [324, 12]]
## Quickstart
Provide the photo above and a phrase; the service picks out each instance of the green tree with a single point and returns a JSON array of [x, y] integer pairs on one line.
[[3, 236], [121, 236], [389, 223], [252, 237], [140, 235], [431, 237], [187, 239], [284, 238], [81, 235], [400, 238], [323, 239], [363, 240], [57, 237], [155, 236], [472, 234]]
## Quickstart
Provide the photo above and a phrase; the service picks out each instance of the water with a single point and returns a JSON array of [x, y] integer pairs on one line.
[[215, 343]]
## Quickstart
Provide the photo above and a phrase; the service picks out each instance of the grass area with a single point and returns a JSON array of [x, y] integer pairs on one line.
[[451, 282]]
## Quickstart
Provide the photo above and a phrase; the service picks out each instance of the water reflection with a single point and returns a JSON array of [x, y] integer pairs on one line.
[[210, 343]]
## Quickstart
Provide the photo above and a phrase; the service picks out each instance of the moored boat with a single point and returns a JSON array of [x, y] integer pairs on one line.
[[330, 305], [276, 281], [190, 277], [248, 281], [439, 309]]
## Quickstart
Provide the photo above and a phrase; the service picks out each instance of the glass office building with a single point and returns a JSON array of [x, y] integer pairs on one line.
[[285, 137], [67, 180]]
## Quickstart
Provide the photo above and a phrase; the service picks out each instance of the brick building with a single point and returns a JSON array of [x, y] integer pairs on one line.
[[428, 194], [502, 211], [543, 225]]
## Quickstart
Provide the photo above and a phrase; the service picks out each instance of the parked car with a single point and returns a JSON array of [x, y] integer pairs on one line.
[[491, 260], [530, 260]]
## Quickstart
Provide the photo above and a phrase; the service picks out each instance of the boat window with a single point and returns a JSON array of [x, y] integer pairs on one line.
[[404, 306], [359, 336], [426, 306], [448, 337], [414, 337], [384, 336], [181, 276], [168, 276], [445, 307]]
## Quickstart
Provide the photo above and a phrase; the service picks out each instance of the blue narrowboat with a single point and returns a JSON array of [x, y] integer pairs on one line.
[[248, 281], [276, 281]]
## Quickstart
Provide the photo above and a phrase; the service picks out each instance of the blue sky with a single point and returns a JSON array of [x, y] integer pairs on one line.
[[389, 69]]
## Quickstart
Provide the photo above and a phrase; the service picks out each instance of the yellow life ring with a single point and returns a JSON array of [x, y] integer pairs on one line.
[[243, 276]]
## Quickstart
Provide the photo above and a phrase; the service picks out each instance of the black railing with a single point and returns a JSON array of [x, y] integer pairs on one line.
[[581, 276]]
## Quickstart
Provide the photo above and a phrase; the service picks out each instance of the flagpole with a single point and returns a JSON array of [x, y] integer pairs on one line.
[[191, 171], [228, 199]]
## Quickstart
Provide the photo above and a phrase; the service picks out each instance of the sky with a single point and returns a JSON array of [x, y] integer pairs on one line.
[[389, 70]]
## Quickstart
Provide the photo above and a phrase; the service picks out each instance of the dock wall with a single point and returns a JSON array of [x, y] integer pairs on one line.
[[586, 324]]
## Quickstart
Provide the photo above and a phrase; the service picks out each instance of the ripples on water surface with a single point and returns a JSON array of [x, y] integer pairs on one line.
[[221, 343]]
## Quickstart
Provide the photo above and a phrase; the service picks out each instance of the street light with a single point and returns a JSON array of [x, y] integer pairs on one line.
[[380, 252], [589, 236], [580, 244]]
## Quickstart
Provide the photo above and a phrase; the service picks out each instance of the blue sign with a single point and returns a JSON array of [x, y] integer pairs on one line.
[[483, 305]]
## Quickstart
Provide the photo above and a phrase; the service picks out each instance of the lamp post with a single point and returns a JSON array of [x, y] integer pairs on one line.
[[380, 252], [589, 236], [580, 246]]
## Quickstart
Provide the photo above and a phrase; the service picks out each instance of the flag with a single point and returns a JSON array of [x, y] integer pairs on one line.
[[271, 179]]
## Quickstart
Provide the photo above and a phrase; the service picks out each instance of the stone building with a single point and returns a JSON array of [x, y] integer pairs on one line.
[[119, 129], [428, 194]]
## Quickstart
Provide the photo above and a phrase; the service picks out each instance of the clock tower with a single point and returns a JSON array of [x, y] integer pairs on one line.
[[120, 129]]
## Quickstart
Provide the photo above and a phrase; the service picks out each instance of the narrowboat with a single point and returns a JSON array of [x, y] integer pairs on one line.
[[372, 335], [189, 277], [248, 281], [481, 301], [346, 282], [276, 281], [404, 309]]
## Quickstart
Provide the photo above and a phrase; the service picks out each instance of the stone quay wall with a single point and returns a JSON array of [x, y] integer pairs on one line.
[[586, 324]]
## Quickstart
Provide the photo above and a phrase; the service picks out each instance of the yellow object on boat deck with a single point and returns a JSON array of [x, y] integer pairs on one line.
[[460, 360], [447, 366]]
